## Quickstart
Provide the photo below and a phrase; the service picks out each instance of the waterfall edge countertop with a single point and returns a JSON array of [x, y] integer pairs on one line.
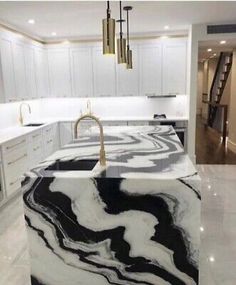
[[136, 221]]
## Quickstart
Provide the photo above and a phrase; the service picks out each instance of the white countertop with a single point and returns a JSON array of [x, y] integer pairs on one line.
[[11, 133]]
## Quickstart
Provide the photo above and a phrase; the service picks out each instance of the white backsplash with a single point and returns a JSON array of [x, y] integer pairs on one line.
[[103, 107]]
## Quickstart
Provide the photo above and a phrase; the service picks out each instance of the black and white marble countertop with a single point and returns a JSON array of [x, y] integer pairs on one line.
[[131, 152], [135, 222]]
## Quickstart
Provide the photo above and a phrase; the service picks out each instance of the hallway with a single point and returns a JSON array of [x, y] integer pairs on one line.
[[209, 149]]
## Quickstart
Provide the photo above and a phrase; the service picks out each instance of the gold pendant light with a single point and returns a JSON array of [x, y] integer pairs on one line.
[[129, 60], [121, 42], [108, 28]]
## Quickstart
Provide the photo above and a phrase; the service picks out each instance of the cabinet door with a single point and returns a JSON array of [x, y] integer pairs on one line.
[[19, 71], [8, 71], [59, 73], [66, 133], [174, 67], [104, 73], [30, 72], [150, 70], [128, 79], [82, 73], [41, 71]]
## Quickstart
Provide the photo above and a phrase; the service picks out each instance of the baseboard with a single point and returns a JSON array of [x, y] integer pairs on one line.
[[231, 145]]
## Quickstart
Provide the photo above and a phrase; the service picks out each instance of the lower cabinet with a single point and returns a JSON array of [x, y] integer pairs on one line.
[[66, 133], [21, 154]]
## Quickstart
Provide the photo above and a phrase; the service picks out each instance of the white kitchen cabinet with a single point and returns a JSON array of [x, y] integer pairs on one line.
[[59, 72], [150, 57], [15, 163], [66, 133], [19, 71], [50, 139], [30, 72], [174, 63], [81, 71], [7, 71], [41, 72], [104, 73], [36, 148], [128, 79]]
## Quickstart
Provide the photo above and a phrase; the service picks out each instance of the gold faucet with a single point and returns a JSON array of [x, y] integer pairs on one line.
[[21, 119], [89, 110], [102, 149]]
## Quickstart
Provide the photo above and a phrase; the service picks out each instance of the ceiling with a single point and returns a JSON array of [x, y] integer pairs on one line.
[[215, 47], [82, 19]]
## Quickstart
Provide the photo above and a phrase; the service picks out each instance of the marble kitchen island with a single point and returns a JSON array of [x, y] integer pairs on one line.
[[135, 221]]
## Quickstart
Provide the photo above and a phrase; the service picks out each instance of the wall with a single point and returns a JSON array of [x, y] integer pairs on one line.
[[115, 107], [9, 113], [232, 108], [199, 88], [103, 107]]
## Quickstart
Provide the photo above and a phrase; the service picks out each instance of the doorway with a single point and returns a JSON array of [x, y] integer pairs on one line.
[[215, 77]]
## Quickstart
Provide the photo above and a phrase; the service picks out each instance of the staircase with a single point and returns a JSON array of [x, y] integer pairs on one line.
[[218, 84]]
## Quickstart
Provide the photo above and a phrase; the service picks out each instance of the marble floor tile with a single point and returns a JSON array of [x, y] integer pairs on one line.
[[218, 232]]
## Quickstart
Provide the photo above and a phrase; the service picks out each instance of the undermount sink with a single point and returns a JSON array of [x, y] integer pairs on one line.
[[73, 165], [33, 125]]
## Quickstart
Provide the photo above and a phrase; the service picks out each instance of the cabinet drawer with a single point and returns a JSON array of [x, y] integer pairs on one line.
[[36, 136], [14, 145], [15, 165]]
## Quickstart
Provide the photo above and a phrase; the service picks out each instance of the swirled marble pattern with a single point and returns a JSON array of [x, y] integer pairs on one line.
[[135, 222]]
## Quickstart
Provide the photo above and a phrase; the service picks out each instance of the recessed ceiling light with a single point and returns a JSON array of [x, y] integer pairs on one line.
[[222, 42], [209, 49], [54, 34], [166, 27], [211, 258], [164, 37], [31, 21], [214, 54], [201, 229]]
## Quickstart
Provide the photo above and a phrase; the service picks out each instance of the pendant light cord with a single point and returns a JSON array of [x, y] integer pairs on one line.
[[108, 10], [121, 33], [128, 29]]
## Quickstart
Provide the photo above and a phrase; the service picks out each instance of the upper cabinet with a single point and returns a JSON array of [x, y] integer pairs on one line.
[[30, 72], [20, 71], [81, 71], [104, 73], [174, 67], [150, 69], [128, 79], [7, 68], [59, 72], [41, 72]]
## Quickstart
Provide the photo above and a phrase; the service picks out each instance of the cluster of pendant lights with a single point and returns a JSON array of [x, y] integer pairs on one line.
[[124, 53]]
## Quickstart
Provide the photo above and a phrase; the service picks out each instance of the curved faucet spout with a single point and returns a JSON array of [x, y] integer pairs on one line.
[[102, 149], [21, 119]]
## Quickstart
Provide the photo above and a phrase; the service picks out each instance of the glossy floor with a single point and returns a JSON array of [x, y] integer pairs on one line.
[[218, 232]]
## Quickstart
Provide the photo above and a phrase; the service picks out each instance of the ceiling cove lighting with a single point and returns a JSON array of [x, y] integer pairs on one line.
[[129, 63], [108, 32], [121, 42]]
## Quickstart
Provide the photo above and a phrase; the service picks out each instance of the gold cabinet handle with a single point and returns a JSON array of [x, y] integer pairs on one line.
[[36, 148], [12, 146], [14, 182], [35, 136], [19, 158]]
